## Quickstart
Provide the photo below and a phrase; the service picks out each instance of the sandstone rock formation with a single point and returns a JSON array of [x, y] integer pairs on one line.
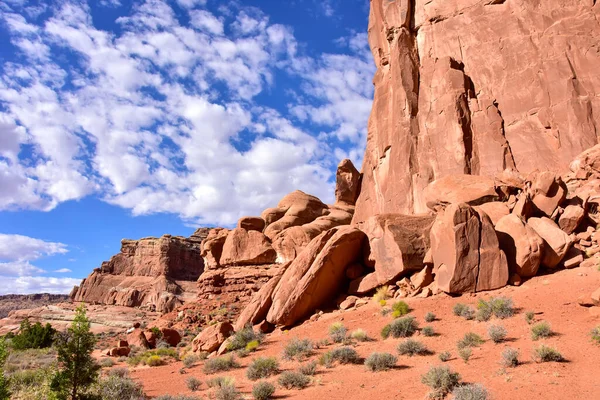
[[448, 103], [521, 244], [212, 337], [154, 273]]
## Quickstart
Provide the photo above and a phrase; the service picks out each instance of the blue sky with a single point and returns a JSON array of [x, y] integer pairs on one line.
[[124, 119]]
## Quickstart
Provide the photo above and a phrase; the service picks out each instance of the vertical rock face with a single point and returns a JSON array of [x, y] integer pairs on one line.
[[456, 92]]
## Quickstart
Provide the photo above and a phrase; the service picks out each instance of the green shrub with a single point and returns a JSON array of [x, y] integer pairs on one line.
[[4, 392], [401, 327], [462, 310], [595, 334], [122, 388], [309, 368], [444, 356], [298, 349], [293, 380], [262, 367], [465, 353], [155, 361], [497, 333], [428, 331], [429, 317], [382, 294], [119, 372], [470, 340], [380, 362], [107, 363], [510, 358], [337, 332], [241, 339], [219, 364], [343, 355], [541, 330], [157, 332], [193, 383], [470, 392], [411, 347], [33, 336], [529, 317], [228, 392], [359, 335], [399, 309], [252, 346], [263, 391], [546, 354], [500, 307], [441, 380], [190, 360], [220, 381], [136, 358], [177, 397]]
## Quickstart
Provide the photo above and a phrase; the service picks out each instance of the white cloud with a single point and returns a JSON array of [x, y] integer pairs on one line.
[[19, 247], [163, 117], [63, 271], [33, 284]]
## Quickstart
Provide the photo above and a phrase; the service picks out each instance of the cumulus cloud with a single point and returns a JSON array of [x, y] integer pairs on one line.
[[63, 271], [32, 284], [25, 248], [161, 116]]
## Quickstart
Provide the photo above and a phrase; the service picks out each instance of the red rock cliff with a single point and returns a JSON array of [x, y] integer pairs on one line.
[[475, 87]]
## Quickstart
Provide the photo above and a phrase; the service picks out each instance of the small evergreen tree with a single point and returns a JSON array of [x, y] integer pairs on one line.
[[77, 369], [33, 336], [4, 394]]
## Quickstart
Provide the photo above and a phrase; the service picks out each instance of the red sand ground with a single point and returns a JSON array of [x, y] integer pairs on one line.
[[552, 297]]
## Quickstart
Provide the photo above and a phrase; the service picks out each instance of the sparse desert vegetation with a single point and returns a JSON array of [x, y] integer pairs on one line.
[[541, 330], [401, 327], [262, 367], [411, 347], [510, 358], [497, 333], [293, 380], [545, 353], [298, 349], [380, 362], [441, 380], [263, 391], [220, 364], [337, 332], [470, 392]]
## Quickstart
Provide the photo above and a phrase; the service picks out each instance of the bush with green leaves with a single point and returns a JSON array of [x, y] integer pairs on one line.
[[227, 392], [441, 380], [337, 332], [120, 387], [500, 307], [220, 381], [529, 317], [382, 294], [497, 333], [359, 335], [444, 356], [293, 380], [401, 327], [243, 337], [595, 334], [541, 330], [263, 391], [412, 347], [155, 357], [342, 355], [465, 354], [262, 367], [399, 309], [190, 360], [464, 311], [429, 317], [298, 349], [510, 358], [470, 340], [219, 364], [193, 383], [155, 361], [546, 354], [380, 362], [33, 336], [310, 368], [4, 393], [77, 369], [470, 392], [428, 331]]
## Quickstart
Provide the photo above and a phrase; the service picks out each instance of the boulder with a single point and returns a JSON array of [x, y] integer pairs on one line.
[[521, 244], [138, 339], [524, 207], [296, 208], [212, 247], [251, 223], [364, 284], [495, 210], [260, 303], [348, 302], [347, 186], [171, 336], [422, 278], [470, 189], [556, 242], [549, 192], [212, 337], [398, 244], [119, 352], [571, 218], [466, 253], [151, 338], [587, 163], [244, 247], [316, 276]]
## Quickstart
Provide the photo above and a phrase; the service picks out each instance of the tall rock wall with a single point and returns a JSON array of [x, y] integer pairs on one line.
[[475, 87]]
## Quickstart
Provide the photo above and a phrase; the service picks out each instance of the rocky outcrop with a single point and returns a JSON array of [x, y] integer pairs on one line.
[[448, 103], [397, 245], [522, 245], [243, 247], [556, 242], [154, 273], [466, 253], [211, 338]]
